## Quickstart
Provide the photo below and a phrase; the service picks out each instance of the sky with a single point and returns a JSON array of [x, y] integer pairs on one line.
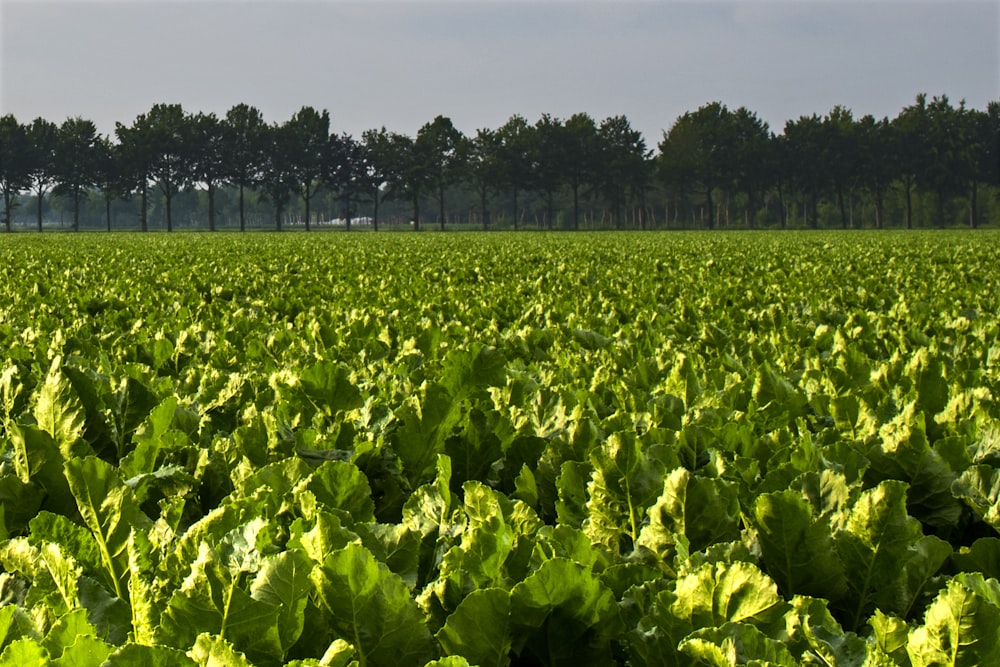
[[399, 64]]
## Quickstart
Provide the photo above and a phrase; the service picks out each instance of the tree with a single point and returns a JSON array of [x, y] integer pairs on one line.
[[14, 164], [244, 133], [307, 134], [438, 144], [705, 145], [377, 157], [135, 157], [752, 153], [804, 142], [76, 160], [108, 174], [514, 157], [43, 138], [839, 152], [546, 162], [878, 166], [208, 157], [483, 167], [623, 163], [279, 178], [578, 154], [169, 138], [408, 170], [347, 173]]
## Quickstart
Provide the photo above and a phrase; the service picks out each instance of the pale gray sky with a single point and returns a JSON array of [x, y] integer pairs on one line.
[[399, 64]]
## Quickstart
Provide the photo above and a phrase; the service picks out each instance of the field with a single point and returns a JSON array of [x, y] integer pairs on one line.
[[450, 449]]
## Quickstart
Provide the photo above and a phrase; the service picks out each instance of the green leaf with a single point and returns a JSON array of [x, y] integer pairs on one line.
[[891, 635], [960, 629], [138, 655], [705, 510], [979, 487], [37, 460], [110, 511], [372, 609], [479, 629], [59, 412], [563, 614], [341, 485], [284, 583], [983, 556], [211, 600], [86, 651], [425, 423], [213, 651], [625, 481], [875, 548], [797, 547], [24, 652], [736, 644], [716, 593], [329, 386]]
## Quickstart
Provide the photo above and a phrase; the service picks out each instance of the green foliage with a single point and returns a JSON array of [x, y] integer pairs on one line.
[[597, 450]]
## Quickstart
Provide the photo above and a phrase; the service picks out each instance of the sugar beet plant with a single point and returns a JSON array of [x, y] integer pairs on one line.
[[496, 450]]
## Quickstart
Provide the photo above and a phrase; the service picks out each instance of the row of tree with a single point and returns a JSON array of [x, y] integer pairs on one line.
[[712, 166]]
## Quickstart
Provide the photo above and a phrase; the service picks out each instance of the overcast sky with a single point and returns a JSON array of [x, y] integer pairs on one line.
[[399, 64]]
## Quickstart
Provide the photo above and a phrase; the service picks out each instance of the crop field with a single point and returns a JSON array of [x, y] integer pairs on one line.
[[459, 449]]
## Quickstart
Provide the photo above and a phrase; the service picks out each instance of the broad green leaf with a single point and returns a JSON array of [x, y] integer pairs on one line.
[[890, 635], [903, 453], [718, 593], [736, 644], [983, 556], [340, 485], [372, 609], [625, 481], [425, 422], [14, 621], [138, 655], [705, 510], [479, 629], [562, 612], [284, 583], [37, 460], [960, 629], [875, 547], [86, 651], [74, 538], [144, 604], [59, 412], [110, 511], [24, 652], [797, 547], [212, 600], [330, 388], [979, 487], [213, 651]]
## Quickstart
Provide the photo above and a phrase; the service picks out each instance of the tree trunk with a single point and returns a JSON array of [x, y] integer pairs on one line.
[[973, 207], [375, 210], [143, 219], [211, 207], [711, 208], [909, 204], [306, 197], [576, 206], [107, 211], [416, 212], [243, 226], [515, 210], [170, 220], [41, 194], [441, 205], [76, 211]]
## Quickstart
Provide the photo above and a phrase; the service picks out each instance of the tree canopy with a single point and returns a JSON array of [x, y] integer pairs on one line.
[[935, 164]]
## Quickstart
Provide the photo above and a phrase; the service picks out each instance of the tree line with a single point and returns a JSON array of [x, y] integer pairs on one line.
[[935, 163]]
